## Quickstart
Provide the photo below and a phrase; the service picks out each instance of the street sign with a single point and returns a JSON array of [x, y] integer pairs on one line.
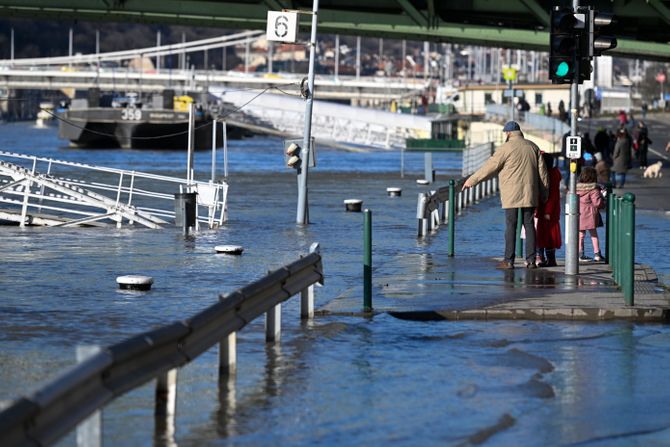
[[509, 73], [507, 93], [282, 26], [573, 147]]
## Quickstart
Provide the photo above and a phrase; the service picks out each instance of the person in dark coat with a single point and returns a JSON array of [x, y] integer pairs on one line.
[[602, 143], [621, 158], [642, 143]]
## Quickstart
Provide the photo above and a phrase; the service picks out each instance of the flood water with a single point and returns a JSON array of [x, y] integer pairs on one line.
[[337, 380]]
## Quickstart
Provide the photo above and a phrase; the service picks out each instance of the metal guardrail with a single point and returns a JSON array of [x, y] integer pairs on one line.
[[475, 156], [44, 184], [620, 242], [50, 413]]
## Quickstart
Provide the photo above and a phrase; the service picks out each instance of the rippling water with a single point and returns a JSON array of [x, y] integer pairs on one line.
[[336, 381]]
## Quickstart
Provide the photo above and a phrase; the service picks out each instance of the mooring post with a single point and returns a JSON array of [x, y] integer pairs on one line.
[[89, 432], [451, 217], [367, 261]]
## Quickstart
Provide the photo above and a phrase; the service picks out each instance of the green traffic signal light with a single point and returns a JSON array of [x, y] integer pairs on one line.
[[562, 69]]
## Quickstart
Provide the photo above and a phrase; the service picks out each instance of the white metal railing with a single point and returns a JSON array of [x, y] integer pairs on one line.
[[533, 120], [44, 191], [475, 156]]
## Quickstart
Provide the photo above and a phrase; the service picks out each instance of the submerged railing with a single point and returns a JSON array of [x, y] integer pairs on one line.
[[52, 192], [45, 416]]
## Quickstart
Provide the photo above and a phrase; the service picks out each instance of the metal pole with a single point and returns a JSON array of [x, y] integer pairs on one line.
[[519, 224], [628, 266], [426, 60], [213, 151], [303, 207], [367, 261], [358, 57], [158, 44], [12, 46], [404, 61], [225, 150], [572, 219], [70, 48], [452, 218], [337, 55], [608, 226], [271, 48], [189, 155], [246, 55]]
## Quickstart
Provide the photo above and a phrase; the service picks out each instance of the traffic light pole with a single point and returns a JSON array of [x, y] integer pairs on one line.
[[572, 218], [303, 207]]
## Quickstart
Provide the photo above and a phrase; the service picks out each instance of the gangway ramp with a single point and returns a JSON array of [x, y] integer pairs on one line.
[[93, 195]]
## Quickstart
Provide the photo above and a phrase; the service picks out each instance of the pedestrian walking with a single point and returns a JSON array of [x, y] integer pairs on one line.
[[621, 159], [642, 143], [548, 215], [591, 201], [523, 179]]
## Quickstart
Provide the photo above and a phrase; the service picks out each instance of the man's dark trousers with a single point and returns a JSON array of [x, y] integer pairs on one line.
[[527, 215]]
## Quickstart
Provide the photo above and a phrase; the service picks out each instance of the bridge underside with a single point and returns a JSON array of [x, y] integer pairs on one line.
[[523, 24]]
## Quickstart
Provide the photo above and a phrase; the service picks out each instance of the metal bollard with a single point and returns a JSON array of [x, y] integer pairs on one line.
[[460, 201], [628, 248], [452, 218], [619, 237], [613, 231], [608, 224], [367, 262], [519, 223], [478, 186]]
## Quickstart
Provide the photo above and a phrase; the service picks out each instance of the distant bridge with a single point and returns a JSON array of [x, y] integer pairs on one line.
[[83, 71]]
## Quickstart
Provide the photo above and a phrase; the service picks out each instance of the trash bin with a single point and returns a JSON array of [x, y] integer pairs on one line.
[[185, 210]]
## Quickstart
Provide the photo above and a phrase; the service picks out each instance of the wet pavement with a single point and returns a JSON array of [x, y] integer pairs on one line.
[[437, 287]]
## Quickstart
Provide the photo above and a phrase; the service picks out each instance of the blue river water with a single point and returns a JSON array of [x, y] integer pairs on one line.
[[337, 380]]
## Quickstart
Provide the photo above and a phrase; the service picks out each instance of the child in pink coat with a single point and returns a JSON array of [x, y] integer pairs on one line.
[[590, 202]]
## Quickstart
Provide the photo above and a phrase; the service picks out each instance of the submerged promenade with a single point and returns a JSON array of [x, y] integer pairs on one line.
[[434, 286]]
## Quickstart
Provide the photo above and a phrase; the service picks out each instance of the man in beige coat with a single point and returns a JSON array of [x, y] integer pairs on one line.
[[523, 180]]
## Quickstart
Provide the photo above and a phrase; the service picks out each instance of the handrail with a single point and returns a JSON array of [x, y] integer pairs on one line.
[[51, 412]]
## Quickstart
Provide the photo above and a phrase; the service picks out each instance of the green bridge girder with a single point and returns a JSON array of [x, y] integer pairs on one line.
[[642, 27]]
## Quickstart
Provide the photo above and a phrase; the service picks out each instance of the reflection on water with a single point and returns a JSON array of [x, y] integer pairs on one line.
[[336, 380]]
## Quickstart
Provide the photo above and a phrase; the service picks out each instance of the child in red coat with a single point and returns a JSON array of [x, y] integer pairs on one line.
[[548, 215]]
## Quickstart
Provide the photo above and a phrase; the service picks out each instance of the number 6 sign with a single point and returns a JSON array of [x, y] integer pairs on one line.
[[282, 26]]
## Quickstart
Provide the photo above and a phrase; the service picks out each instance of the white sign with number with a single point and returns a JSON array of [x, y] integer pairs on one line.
[[573, 147], [282, 26]]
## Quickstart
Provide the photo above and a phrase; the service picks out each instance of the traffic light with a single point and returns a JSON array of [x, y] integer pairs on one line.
[[566, 29], [597, 43], [293, 159], [591, 42]]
